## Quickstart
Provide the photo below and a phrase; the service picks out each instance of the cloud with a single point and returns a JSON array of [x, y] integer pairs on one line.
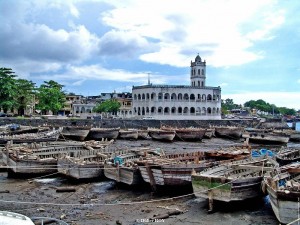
[[122, 43], [182, 26]]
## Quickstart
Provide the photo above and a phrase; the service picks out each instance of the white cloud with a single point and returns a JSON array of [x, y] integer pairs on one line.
[[280, 99], [175, 27]]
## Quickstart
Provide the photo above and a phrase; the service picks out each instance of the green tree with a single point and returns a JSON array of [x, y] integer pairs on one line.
[[228, 105], [50, 97], [287, 111], [108, 106], [8, 89], [25, 95]]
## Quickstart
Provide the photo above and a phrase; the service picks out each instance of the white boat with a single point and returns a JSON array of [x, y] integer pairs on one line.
[[12, 218]]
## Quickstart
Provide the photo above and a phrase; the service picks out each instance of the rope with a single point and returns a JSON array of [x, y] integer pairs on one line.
[[110, 204]]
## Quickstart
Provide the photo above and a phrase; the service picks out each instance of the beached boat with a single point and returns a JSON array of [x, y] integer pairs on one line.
[[89, 164], [12, 218], [283, 187], [103, 133], [233, 152], [293, 134], [234, 181], [122, 168], [288, 155], [39, 158], [131, 134], [75, 133], [266, 138], [161, 135], [51, 135], [229, 132], [187, 134]]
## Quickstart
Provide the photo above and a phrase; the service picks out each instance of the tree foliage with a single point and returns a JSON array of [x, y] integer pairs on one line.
[[108, 106], [228, 105], [8, 89], [25, 94], [50, 97]]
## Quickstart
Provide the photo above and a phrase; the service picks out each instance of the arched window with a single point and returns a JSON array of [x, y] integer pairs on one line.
[[167, 110], [143, 96], [153, 110], [192, 97], [186, 97], [209, 98], [208, 110], [167, 97], [160, 96], [153, 96], [135, 97], [199, 72], [203, 72], [185, 110], [203, 111], [179, 96], [173, 97], [147, 96], [173, 110], [198, 83], [192, 110], [179, 110], [139, 96], [160, 110], [203, 97]]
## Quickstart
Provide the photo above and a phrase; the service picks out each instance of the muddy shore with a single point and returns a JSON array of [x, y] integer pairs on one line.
[[103, 201]]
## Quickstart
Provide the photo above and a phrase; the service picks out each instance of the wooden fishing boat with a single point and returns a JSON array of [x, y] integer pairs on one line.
[[293, 134], [128, 134], [229, 132], [283, 187], [234, 181], [75, 133], [51, 135], [161, 135], [187, 134], [288, 155], [123, 169], [233, 152], [103, 133], [266, 138], [89, 164], [39, 158]]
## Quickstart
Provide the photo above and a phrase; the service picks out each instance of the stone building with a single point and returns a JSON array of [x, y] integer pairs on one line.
[[179, 102]]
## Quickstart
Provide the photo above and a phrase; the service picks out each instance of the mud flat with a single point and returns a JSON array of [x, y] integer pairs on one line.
[[105, 202]]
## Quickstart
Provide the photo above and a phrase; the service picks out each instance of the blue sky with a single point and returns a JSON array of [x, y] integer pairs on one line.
[[251, 47]]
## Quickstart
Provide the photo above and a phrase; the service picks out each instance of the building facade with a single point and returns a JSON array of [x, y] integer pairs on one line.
[[179, 102]]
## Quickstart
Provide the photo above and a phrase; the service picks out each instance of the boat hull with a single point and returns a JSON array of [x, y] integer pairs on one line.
[[285, 206], [75, 133], [103, 133], [162, 135]]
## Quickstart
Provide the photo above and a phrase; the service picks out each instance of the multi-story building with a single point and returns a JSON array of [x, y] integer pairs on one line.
[[195, 101]]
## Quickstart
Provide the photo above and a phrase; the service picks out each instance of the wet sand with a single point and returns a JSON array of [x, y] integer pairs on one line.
[[103, 201]]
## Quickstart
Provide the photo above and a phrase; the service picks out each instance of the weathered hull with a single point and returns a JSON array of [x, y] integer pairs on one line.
[[238, 190], [75, 133], [266, 138], [128, 134], [285, 206], [170, 175], [190, 135], [32, 137], [229, 132], [126, 175], [80, 170], [162, 135], [209, 133], [143, 134], [103, 133], [32, 167]]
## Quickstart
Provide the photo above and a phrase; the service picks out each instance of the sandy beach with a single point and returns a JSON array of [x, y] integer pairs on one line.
[[103, 201]]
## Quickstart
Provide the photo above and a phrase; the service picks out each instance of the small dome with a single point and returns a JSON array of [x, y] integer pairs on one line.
[[198, 58]]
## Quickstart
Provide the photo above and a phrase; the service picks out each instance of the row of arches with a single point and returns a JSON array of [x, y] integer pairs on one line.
[[176, 111], [82, 109], [198, 72], [176, 97]]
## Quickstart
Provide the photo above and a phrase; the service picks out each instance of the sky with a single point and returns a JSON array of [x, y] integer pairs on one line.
[[251, 47]]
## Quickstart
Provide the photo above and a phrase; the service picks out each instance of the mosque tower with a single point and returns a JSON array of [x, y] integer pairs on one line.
[[198, 72]]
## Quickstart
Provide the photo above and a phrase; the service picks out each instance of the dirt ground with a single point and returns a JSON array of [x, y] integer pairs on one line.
[[104, 202]]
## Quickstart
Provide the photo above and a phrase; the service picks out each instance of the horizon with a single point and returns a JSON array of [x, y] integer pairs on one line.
[[251, 48]]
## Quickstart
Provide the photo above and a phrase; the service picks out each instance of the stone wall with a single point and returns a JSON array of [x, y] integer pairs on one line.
[[128, 123]]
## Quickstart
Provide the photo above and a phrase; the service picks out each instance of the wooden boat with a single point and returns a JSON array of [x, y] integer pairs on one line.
[[11, 218], [187, 134], [39, 158], [288, 155], [88, 164], [266, 138], [51, 135], [75, 133], [161, 135], [283, 187], [293, 134], [123, 169], [103, 133], [128, 134], [234, 181], [233, 152], [229, 132]]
